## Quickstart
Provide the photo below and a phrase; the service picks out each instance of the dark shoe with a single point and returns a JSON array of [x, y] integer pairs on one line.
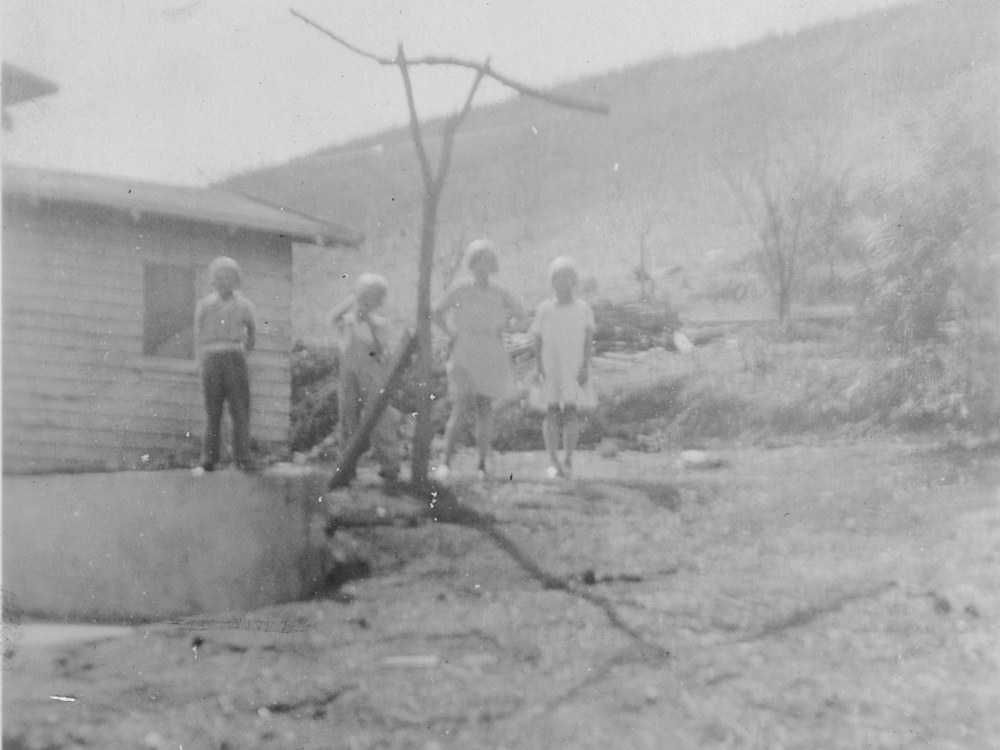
[[390, 481], [389, 474]]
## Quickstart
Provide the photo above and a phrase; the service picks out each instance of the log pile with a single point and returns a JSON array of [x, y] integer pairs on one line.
[[634, 326], [621, 327]]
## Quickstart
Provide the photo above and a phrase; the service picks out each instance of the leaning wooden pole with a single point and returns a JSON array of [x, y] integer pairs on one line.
[[344, 470]]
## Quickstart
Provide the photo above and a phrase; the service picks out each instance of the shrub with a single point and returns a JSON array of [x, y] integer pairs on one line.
[[930, 263], [929, 292], [314, 395], [933, 387]]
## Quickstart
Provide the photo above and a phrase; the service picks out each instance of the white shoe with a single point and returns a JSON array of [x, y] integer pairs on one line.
[[552, 472], [198, 471]]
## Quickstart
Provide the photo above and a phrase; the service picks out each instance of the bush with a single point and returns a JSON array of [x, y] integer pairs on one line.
[[933, 387], [930, 264], [314, 395], [930, 290]]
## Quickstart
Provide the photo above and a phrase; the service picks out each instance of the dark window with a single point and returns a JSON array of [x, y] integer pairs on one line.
[[168, 329]]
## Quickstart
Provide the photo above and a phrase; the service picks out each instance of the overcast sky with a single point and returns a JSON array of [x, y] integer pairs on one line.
[[194, 90]]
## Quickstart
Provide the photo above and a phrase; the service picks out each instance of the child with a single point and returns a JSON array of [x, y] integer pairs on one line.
[[475, 313], [564, 331], [364, 363], [225, 331]]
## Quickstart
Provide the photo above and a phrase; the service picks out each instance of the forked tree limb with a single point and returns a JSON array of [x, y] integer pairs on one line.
[[485, 69], [418, 138], [451, 127]]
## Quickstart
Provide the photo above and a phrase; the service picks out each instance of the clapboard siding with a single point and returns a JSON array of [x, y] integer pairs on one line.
[[107, 272], [21, 386], [154, 419], [267, 365], [272, 329], [119, 304], [62, 452], [78, 390], [49, 387]]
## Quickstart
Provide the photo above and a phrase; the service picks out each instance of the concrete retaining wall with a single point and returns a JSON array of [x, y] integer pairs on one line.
[[150, 545]]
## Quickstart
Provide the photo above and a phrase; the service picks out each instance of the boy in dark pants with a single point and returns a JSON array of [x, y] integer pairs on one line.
[[225, 331]]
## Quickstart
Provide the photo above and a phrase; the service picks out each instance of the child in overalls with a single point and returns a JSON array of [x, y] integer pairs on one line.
[[365, 359]]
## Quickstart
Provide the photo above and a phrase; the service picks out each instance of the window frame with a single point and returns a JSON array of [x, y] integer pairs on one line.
[[170, 301]]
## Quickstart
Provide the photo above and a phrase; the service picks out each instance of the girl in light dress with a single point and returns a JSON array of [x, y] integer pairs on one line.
[[475, 313], [564, 332]]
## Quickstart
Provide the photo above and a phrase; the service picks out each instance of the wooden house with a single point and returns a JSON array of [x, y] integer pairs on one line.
[[100, 279]]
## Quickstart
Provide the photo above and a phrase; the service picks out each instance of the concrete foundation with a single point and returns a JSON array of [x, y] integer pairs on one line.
[[151, 545]]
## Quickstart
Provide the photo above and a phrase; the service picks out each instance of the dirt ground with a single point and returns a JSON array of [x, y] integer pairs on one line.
[[821, 597]]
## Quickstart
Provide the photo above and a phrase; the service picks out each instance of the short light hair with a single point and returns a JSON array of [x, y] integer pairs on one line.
[[564, 263], [225, 262], [479, 250], [368, 281]]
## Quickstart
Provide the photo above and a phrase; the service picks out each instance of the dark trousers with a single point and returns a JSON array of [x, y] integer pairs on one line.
[[225, 379]]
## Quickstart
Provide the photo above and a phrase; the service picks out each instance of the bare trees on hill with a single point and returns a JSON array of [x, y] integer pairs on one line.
[[795, 205]]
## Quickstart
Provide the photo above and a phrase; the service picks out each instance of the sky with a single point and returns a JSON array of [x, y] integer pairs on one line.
[[192, 91]]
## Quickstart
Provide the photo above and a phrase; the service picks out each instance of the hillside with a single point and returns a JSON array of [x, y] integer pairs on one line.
[[877, 89]]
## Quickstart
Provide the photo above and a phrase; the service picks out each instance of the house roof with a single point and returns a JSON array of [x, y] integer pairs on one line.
[[19, 85], [210, 205]]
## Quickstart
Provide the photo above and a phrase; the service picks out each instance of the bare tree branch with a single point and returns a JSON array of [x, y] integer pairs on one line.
[[785, 194], [569, 102], [339, 40], [450, 128], [560, 99], [418, 139]]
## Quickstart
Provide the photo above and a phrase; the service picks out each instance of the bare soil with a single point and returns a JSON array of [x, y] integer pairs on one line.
[[835, 597]]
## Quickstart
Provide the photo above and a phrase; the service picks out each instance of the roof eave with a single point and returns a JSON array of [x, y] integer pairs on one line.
[[347, 238], [340, 236]]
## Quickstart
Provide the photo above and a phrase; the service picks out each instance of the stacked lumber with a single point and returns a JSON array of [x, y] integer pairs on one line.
[[620, 327], [634, 326]]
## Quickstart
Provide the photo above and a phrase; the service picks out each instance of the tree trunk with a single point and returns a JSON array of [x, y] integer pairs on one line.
[[784, 301], [643, 272], [424, 432]]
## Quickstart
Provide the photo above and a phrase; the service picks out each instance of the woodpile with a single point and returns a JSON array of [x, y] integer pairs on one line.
[[621, 327], [634, 326]]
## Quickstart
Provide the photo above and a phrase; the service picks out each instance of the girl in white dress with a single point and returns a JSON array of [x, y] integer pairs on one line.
[[564, 332]]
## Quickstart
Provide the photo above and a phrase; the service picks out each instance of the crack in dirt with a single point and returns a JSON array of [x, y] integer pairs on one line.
[[472, 634], [317, 704], [805, 616], [397, 719], [637, 654], [444, 507]]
